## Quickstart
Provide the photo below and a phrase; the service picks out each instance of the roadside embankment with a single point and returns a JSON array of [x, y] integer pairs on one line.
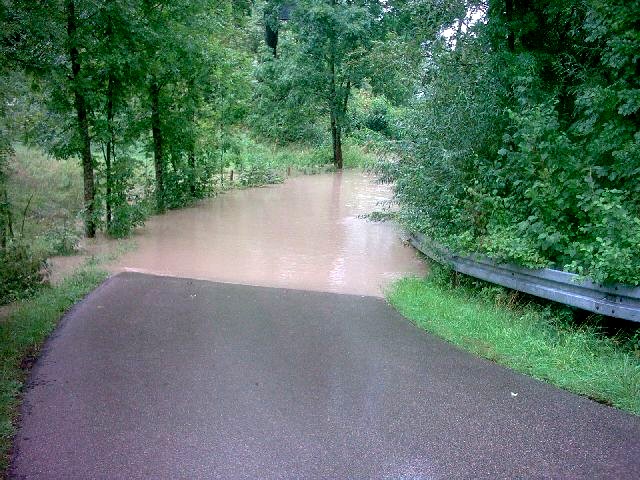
[[544, 341]]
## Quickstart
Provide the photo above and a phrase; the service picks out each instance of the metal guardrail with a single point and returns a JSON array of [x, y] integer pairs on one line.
[[618, 301]]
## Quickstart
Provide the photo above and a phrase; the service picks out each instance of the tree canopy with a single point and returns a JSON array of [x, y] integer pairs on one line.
[[512, 125]]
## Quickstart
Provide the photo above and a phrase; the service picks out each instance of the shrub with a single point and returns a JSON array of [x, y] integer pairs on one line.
[[62, 240], [531, 154], [128, 216], [258, 175], [21, 272]]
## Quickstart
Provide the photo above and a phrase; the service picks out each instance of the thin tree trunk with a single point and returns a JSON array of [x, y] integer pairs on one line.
[[174, 165], [511, 38], [191, 154], [24, 214], [271, 38], [338, 127], [83, 123], [111, 86], [191, 157], [9, 216], [3, 228], [336, 133], [110, 149], [6, 229], [156, 130], [3, 216], [335, 117], [222, 167]]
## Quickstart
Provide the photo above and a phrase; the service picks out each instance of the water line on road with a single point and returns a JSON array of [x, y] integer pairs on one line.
[[307, 233]]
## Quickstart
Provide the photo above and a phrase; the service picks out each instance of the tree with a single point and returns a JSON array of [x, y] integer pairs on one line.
[[333, 39], [5, 145], [41, 34], [116, 61], [180, 79], [74, 45], [523, 143]]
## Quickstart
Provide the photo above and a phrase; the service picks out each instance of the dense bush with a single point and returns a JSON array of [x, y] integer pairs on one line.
[[282, 112], [62, 240], [128, 216], [259, 175], [372, 120], [21, 271], [531, 153]]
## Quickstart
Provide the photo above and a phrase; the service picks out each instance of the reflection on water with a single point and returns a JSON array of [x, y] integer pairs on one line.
[[304, 234]]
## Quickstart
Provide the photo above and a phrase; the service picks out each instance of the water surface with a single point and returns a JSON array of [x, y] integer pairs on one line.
[[305, 234]]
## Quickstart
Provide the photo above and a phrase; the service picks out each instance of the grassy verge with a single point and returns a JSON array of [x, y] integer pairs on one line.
[[22, 336], [543, 341]]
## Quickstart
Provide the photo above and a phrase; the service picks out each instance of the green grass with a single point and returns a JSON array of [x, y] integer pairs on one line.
[[21, 337], [544, 342]]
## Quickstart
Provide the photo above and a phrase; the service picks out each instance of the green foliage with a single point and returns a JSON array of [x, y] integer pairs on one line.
[[62, 240], [281, 110], [377, 117], [531, 154], [259, 175], [323, 56], [21, 272], [358, 157], [129, 207], [104, 57], [540, 340], [45, 196], [515, 137], [127, 217], [246, 153], [372, 120]]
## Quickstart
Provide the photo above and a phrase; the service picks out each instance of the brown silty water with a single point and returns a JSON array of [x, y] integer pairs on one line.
[[305, 234]]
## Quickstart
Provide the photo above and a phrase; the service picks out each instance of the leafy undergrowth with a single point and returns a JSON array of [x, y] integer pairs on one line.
[[251, 155], [545, 342], [46, 198], [22, 336]]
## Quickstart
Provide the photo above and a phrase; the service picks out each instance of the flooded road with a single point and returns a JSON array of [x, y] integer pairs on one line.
[[305, 234]]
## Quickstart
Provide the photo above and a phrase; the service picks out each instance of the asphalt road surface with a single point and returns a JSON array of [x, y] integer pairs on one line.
[[165, 378]]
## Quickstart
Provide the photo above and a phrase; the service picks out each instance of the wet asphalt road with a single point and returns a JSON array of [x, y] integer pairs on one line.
[[165, 378]]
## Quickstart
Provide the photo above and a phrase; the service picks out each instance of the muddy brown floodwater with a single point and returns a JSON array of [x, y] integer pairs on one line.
[[305, 234]]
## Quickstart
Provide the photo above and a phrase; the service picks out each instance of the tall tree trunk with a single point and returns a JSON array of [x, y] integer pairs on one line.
[[83, 123], [511, 38], [191, 154], [192, 168], [335, 115], [271, 19], [6, 227], [271, 38], [108, 160], [110, 148], [336, 135], [156, 130], [8, 213], [3, 215]]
